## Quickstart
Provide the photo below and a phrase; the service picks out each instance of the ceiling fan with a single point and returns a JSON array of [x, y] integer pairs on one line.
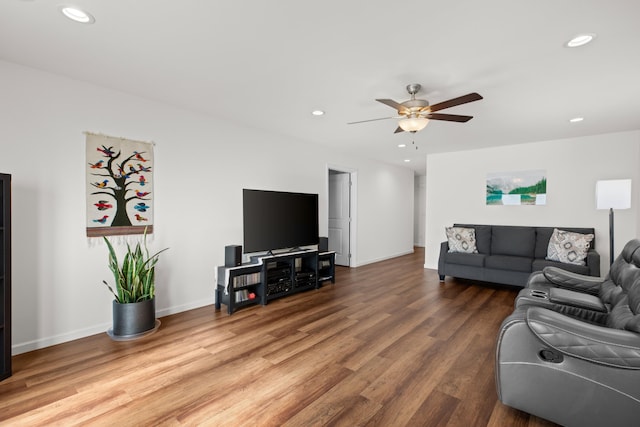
[[414, 114]]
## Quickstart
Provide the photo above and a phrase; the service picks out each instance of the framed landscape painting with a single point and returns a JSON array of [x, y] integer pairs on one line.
[[517, 188]]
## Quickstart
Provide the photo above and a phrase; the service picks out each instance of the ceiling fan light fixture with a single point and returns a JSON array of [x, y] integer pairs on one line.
[[413, 124]]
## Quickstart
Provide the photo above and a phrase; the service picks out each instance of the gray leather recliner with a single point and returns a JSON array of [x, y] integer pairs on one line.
[[586, 297], [575, 360]]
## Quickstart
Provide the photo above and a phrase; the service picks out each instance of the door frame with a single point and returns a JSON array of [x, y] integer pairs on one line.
[[353, 193]]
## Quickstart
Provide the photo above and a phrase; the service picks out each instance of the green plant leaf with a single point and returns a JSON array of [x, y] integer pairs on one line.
[[134, 280]]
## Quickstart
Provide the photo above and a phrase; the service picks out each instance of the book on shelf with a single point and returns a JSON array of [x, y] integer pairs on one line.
[[246, 280], [244, 295]]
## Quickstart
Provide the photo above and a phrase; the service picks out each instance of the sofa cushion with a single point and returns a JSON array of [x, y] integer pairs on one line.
[[625, 270], [568, 247], [507, 262], [630, 252], [475, 260], [513, 240], [543, 234], [540, 264], [461, 240], [620, 315], [483, 236], [633, 323]]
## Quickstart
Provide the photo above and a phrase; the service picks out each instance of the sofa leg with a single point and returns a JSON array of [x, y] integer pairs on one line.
[[441, 277]]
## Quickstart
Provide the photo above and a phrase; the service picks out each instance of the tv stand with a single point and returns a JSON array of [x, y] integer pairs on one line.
[[289, 273], [272, 276]]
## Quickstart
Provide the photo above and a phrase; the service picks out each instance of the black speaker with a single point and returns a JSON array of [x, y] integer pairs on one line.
[[232, 255], [323, 244]]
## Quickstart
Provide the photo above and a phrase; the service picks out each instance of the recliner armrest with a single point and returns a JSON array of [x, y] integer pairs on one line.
[[577, 299], [574, 281], [593, 343]]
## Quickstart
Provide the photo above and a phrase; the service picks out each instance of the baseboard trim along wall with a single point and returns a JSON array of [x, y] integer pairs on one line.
[[371, 261], [98, 329]]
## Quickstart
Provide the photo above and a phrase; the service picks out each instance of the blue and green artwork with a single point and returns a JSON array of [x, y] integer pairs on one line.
[[517, 188]]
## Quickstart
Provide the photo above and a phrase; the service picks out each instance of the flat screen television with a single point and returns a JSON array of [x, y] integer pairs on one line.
[[278, 220]]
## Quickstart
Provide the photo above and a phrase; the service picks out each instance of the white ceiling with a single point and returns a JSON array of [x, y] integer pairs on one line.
[[270, 63]]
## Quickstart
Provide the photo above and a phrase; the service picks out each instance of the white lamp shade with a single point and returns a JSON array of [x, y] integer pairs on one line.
[[613, 194], [413, 124]]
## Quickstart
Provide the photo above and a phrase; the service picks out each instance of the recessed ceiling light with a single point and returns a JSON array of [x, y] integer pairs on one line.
[[576, 119], [317, 113], [402, 145], [77, 15], [407, 160], [580, 40]]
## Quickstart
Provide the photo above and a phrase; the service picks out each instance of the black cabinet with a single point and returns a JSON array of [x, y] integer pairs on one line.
[[5, 276], [327, 267], [288, 273], [239, 286]]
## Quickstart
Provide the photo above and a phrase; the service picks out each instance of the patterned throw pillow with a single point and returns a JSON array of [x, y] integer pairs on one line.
[[568, 247], [461, 239]]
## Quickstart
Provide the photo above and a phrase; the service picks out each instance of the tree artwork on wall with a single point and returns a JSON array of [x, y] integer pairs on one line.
[[119, 183]]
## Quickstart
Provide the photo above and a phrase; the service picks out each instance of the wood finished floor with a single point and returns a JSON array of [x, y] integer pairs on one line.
[[387, 345]]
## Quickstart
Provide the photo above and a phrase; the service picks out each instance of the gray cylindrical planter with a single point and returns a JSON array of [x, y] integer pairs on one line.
[[133, 320]]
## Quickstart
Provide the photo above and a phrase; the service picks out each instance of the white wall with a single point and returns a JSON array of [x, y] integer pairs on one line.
[[200, 162], [388, 218], [456, 188]]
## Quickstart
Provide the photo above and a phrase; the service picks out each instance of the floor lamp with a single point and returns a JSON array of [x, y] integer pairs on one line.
[[613, 194]]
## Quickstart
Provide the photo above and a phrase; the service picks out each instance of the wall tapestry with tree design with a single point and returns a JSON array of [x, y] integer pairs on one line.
[[119, 183]]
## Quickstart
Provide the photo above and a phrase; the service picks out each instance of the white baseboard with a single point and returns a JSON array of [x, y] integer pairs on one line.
[[371, 261], [184, 307], [97, 329], [58, 339]]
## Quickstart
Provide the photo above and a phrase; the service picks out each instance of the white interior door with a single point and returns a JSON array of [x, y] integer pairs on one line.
[[339, 216]]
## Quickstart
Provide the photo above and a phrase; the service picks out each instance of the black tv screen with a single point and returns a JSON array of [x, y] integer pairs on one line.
[[278, 220]]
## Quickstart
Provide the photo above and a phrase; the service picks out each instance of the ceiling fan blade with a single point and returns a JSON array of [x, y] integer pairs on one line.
[[371, 120], [393, 104], [398, 130], [455, 101], [449, 117]]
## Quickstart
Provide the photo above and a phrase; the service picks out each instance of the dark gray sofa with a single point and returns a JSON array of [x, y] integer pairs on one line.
[[509, 254]]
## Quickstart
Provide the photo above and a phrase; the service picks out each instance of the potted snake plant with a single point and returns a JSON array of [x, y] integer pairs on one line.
[[134, 307]]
